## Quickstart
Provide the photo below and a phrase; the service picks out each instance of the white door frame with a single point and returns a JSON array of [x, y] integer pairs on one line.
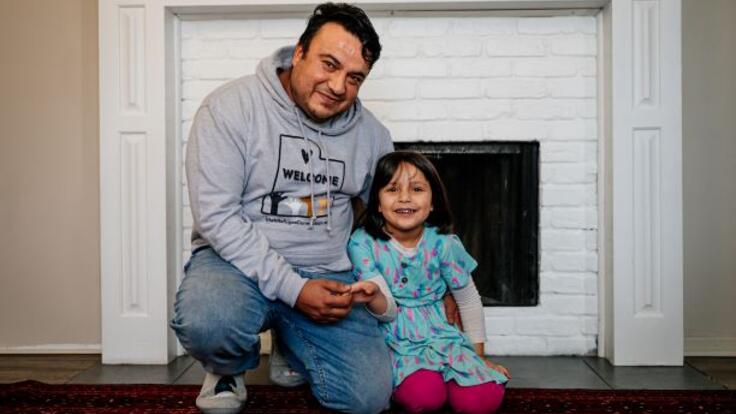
[[640, 208]]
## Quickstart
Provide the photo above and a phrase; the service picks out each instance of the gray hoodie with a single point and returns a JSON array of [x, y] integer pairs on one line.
[[270, 189]]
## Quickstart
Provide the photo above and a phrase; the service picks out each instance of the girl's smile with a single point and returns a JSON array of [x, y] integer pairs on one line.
[[405, 203]]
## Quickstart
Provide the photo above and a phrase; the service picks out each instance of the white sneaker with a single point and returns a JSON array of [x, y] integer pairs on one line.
[[222, 394], [279, 370]]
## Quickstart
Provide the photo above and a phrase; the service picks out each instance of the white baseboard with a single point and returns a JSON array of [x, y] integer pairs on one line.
[[53, 349], [92, 348], [710, 346]]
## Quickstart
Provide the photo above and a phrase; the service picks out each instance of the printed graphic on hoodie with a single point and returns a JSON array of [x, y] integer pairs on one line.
[[291, 193]]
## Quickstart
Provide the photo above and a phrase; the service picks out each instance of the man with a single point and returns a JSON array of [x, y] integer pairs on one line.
[[274, 162]]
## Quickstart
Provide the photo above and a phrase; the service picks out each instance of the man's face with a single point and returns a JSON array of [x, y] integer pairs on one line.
[[325, 80]]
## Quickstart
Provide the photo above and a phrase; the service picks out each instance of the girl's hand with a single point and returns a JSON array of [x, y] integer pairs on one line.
[[496, 367], [364, 292]]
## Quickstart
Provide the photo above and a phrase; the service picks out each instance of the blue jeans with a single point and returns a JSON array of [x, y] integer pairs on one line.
[[219, 313]]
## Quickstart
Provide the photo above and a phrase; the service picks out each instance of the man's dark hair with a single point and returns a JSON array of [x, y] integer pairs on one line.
[[352, 19], [441, 217]]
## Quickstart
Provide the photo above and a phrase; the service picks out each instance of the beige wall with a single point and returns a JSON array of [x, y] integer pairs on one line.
[[49, 214], [709, 140]]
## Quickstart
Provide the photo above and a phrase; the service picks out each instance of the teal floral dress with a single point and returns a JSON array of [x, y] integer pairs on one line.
[[420, 337]]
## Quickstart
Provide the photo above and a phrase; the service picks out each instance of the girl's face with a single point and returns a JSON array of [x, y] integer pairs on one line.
[[405, 202]]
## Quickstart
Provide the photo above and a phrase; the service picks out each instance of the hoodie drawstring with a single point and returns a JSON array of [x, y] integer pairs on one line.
[[313, 217], [329, 182]]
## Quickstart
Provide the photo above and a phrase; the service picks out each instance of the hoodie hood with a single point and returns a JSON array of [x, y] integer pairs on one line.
[[267, 73], [264, 187]]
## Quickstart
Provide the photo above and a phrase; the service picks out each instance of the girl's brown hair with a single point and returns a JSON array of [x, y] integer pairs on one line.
[[441, 217]]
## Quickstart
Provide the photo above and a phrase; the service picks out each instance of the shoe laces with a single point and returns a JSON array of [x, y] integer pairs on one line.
[[226, 383]]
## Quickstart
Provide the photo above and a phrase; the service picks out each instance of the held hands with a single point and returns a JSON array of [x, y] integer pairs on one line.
[[328, 301], [325, 301], [370, 294], [364, 292]]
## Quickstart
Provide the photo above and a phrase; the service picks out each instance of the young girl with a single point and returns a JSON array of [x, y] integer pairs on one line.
[[405, 259]]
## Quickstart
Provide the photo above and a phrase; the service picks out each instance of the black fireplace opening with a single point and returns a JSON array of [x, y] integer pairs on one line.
[[493, 189]]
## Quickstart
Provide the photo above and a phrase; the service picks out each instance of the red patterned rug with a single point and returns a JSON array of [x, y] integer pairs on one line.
[[35, 397]]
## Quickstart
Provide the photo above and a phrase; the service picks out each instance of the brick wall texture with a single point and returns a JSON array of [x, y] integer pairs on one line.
[[460, 77]]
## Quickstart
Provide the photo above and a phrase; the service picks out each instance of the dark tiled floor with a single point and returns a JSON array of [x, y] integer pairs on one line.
[[652, 378], [550, 372], [53, 369], [131, 374], [720, 369], [527, 372]]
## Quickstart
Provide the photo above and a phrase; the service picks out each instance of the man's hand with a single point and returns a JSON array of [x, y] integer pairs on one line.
[[325, 301], [364, 292], [452, 312]]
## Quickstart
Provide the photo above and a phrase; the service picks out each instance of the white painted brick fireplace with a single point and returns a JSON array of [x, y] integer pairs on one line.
[[596, 82], [469, 78]]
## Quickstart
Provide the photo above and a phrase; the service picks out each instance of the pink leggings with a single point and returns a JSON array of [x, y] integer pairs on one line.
[[425, 391]]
